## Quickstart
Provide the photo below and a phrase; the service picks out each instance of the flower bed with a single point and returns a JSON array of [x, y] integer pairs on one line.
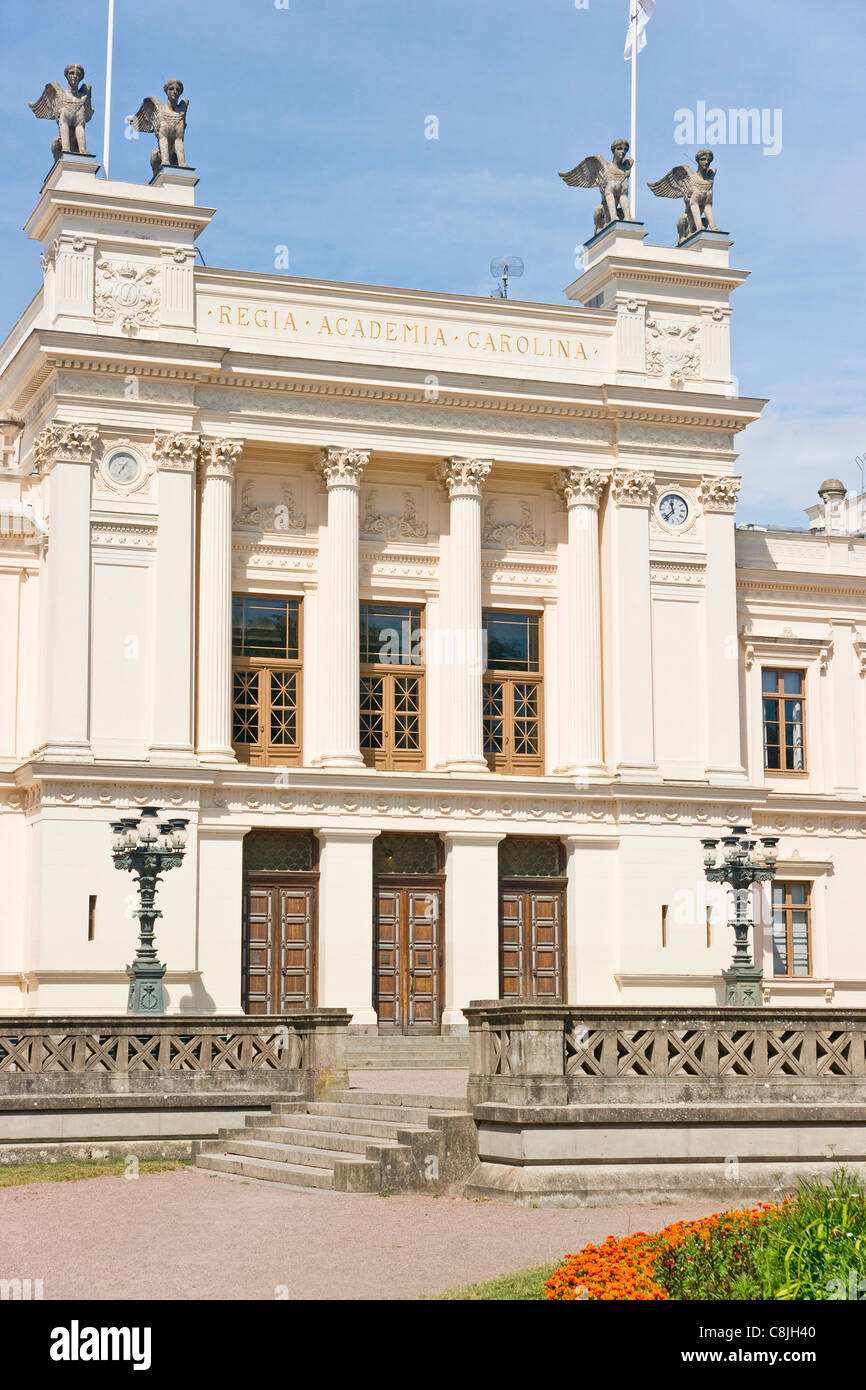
[[810, 1246]]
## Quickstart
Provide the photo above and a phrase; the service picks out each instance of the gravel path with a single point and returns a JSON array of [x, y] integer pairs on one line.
[[220, 1238]]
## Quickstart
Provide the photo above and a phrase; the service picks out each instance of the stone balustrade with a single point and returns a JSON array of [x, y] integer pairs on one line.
[[532, 1053], [44, 1059]]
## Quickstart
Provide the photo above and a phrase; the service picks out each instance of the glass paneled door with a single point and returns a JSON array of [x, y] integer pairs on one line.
[[409, 936]]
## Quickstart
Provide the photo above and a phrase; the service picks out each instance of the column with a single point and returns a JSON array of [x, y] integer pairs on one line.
[[461, 647], [65, 454], [214, 865], [471, 923], [175, 456], [217, 460], [629, 634], [338, 611], [346, 924], [581, 489], [718, 497]]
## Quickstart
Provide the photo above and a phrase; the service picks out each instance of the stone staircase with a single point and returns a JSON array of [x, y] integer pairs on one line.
[[403, 1052], [355, 1141]]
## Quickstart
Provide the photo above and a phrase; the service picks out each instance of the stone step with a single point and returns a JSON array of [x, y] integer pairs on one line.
[[374, 1131], [335, 1141], [414, 1100], [290, 1154], [297, 1175], [358, 1111]]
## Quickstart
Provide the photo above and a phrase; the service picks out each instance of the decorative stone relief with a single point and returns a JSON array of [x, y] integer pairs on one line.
[[275, 516], [719, 494], [127, 294], [104, 483], [72, 443], [519, 534], [632, 489], [392, 526], [672, 350], [126, 535]]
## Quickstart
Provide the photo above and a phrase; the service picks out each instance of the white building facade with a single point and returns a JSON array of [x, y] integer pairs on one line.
[[429, 612]]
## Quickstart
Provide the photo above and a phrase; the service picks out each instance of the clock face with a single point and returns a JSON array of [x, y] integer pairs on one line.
[[673, 509], [123, 467]]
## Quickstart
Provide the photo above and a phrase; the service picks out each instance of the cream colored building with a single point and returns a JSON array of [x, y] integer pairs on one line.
[[429, 611]]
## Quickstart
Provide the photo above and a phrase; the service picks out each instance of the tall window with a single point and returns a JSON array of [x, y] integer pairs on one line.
[[784, 713], [392, 686], [792, 929], [266, 679], [513, 692]]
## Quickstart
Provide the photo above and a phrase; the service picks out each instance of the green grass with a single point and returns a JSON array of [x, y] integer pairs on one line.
[[91, 1168], [814, 1249], [523, 1284]]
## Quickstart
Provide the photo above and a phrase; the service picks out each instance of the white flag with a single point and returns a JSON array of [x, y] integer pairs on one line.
[[645, 10]]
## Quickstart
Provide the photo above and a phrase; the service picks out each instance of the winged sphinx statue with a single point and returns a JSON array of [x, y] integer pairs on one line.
[[695, 186], [167, 121], [70, 107], [610, 177]]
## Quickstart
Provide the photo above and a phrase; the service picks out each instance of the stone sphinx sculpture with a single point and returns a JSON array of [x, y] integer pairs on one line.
[[610, 177], [695, 186], [167, 121], [70, 107]]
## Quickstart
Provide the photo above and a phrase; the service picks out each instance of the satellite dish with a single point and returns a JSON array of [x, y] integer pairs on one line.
[[504, 268]]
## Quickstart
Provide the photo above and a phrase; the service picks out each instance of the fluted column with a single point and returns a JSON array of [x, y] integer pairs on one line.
[[175, 456], [462, 655], [217, 460], [718, 497], [581, 489], [338, 619], [65, 453]]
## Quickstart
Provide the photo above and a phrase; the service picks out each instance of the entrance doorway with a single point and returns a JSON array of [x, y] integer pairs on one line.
[[532, 957], [279, 944], [409, 894]]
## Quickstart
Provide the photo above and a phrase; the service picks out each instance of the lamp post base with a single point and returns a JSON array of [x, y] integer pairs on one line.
[[146, 994], [743, 987]]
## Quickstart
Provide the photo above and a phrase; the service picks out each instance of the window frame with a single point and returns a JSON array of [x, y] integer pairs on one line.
[[788, 907], [389, 758], [508, 762], [264, 752], [779, 696]]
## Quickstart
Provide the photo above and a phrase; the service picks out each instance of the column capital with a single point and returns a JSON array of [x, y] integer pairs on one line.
[[632, 489], [464, 477], [581, 487], [176, 453], [69, 443], [343, 467], [719, 494], [218, 457]]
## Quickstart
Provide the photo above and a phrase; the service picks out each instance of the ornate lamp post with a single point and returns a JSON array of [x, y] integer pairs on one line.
[[741, 869], [148, 848]]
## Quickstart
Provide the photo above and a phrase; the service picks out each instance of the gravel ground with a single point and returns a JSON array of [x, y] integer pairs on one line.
[[220, 1238]]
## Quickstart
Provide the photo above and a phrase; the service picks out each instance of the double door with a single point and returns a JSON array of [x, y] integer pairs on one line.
[[279, 943], [407, 966], [532, 941]]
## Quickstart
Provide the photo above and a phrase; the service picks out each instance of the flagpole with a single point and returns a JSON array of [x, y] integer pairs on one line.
[[106, 136], [633, 139]]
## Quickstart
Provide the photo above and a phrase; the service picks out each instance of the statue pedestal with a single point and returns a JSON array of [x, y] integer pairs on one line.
[[634, 231], [170, 176], [699, 240]]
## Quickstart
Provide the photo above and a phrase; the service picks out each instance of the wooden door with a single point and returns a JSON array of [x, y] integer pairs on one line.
[[532, 942], [279, 944], [408, 957]]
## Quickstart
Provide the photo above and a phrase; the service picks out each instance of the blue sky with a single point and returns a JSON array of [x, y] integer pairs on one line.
[[307, 128]]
